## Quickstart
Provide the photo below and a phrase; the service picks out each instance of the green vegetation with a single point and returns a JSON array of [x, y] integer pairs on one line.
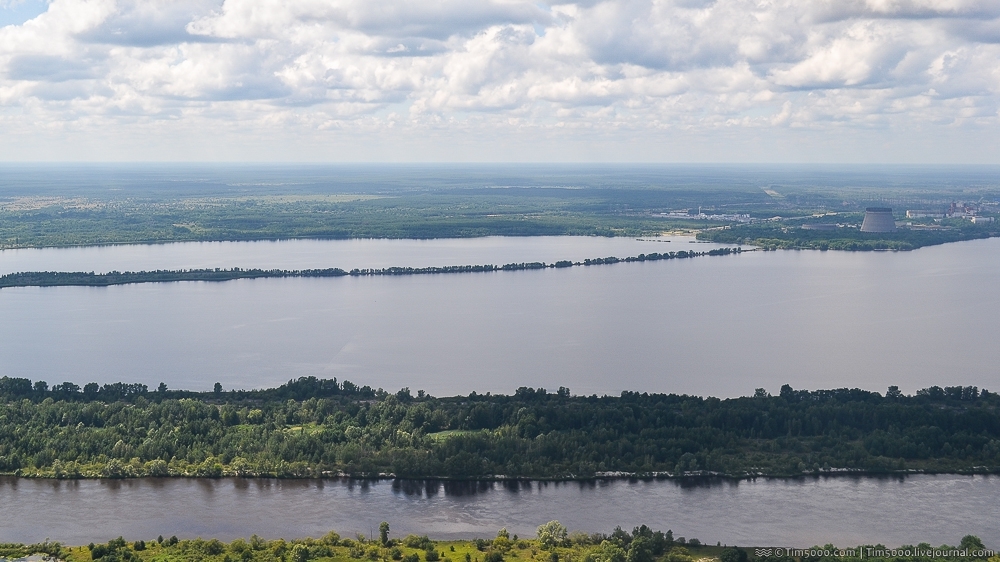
[[552, 543], [314, 427], [60, 279], [783, 235], [59, 222], [42, 206], [80, 278]]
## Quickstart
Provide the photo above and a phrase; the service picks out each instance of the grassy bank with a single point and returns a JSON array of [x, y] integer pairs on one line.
[[552, 543]]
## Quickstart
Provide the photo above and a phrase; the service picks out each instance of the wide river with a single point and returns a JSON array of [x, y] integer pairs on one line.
[[713, 325], [801, 513]]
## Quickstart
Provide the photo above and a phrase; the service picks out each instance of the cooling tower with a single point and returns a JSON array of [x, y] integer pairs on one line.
[[878, 219]]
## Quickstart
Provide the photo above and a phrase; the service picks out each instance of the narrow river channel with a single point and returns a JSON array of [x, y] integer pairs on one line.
[[765, 512]]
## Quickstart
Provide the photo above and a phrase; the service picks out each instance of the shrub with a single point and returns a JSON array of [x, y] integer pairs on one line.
[[414, 541], [300, 553]]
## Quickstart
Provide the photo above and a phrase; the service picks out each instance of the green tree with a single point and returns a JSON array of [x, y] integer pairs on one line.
[[300, 553], [971, 542], [641, 550], [502, 542], [733, 554], [551, 534], [383, 532], [610, 552]]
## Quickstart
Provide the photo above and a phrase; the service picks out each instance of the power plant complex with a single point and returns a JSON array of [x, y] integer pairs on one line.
[[878, 219]]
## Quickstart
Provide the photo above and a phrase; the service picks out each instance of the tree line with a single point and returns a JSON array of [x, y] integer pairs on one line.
[[91, 279], [315, 427]]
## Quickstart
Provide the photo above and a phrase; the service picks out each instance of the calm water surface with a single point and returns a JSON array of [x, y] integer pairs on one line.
[[713, 325], [345, 254], [844, 511]]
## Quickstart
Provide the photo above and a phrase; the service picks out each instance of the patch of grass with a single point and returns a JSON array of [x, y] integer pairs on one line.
[[310, 428], [444, 435]]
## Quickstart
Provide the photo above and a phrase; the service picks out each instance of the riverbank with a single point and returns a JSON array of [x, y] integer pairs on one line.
[[552, 542], [777, 235], [117, 471]]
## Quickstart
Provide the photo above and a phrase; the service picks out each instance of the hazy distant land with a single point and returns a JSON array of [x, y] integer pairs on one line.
[[765, 206]]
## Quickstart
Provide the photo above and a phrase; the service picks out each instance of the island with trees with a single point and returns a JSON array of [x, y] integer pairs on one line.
[[312, 428], [91, 279]]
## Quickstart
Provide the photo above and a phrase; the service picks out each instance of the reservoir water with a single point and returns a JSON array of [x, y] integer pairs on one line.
[[720, 326], [799, 513], [345, 254]]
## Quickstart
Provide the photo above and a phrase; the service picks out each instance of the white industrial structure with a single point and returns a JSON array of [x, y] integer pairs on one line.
[[878, 219]]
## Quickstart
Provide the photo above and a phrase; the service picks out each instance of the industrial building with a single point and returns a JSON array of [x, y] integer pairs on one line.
[[878, 219]]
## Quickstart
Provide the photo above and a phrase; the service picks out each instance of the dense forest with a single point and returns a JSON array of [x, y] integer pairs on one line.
[[315, 427], [91, 279], [552, 542]]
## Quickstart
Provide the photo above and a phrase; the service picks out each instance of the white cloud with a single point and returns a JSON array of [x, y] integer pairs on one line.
[[284, 78]]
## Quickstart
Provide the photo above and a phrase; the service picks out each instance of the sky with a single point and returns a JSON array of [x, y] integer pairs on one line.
[[896, 81]]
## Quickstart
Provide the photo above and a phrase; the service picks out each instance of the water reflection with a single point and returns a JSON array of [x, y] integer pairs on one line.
[[346, 254], [432, 487], [844, 510]]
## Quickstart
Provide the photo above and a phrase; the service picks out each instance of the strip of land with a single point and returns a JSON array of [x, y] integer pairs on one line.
[[786, 235], [91, 279], [552, 542], [312, 428]]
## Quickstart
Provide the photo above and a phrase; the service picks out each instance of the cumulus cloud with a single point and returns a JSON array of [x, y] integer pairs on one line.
[[261, 68]]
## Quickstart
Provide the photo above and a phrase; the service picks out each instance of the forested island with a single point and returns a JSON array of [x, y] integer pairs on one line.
[[316, 427], [91, 279], [552, 542]]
